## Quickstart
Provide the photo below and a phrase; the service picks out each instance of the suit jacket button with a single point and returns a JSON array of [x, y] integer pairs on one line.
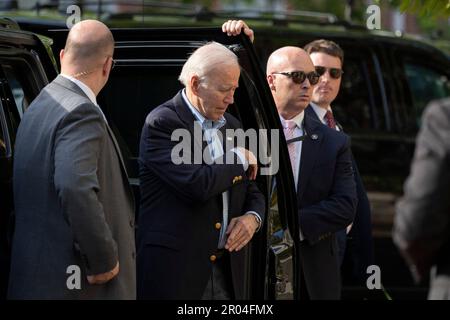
[[218, 225], [212, 258], [132, 223]]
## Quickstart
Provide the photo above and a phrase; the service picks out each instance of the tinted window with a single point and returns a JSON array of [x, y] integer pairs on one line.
[[425, 85], [131, 93], [17, 90], [19, 86], [355, 105]]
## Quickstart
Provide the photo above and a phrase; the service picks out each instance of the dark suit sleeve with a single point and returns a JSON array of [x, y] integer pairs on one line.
[[337, 211], [422, 221], [192, 182], [77, 145]]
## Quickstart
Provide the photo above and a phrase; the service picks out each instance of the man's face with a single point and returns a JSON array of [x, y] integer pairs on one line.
[[216, 92], [291, 97], [328, 88]]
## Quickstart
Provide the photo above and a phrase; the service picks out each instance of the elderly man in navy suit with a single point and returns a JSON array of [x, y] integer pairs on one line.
[[196, 217]]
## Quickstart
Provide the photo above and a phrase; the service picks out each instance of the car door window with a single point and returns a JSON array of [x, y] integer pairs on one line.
[[358, 107], [425, 84], [20, 82], [16, 87]]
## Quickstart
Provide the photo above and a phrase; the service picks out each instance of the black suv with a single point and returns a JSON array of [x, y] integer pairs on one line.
[[387, 82]]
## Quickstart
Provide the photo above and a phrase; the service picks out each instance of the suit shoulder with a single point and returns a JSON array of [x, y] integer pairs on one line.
[[162, 115], [337, 136], [60, 102]]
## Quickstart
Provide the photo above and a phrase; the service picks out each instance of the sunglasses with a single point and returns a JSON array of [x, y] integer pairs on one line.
[[335, 73], [300, 76]]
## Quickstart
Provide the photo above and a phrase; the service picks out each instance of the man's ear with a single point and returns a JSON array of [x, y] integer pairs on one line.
[[61, 55], [271, 81], [107, 66], [195, 84]]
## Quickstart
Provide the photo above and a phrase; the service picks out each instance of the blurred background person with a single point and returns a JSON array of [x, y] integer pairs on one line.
[[422, 221]]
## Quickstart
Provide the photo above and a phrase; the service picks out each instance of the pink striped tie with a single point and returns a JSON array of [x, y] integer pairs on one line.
[[288, 129]]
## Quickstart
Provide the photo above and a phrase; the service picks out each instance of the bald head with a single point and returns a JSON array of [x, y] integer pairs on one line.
[[287, 57], [291, 97], [88, 43]]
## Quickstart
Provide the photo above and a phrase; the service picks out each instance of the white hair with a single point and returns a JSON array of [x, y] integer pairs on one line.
[[204, 59]]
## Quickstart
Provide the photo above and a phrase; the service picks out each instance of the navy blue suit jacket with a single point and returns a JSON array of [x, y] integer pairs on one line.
[[326, 203], [356, 248], [180, 207]]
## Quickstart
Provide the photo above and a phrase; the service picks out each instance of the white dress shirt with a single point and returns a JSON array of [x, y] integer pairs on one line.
[[298, 119], [320, 112]]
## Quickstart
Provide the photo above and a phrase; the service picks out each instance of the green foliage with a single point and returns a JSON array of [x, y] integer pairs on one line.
[[424, 8]]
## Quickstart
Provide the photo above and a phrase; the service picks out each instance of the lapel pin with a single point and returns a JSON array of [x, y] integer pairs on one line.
[[314, 136]]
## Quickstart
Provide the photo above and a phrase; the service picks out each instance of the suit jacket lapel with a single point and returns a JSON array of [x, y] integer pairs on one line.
[[189, 120], [310, 150]]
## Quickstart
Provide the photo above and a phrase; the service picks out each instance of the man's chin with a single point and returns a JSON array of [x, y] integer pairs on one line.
[[320, 102]]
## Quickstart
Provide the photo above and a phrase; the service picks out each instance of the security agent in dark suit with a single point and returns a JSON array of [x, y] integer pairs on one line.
[[422, 221], [73, 203], [355, 242], [323, 174], [196, 217]]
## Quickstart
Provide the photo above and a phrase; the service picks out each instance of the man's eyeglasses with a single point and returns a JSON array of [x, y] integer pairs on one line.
[[113, 64], [335, 73], [300, 76]]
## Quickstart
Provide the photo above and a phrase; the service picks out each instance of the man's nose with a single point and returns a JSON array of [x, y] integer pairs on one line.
[[229, 98], [306, 84], [325, 77]]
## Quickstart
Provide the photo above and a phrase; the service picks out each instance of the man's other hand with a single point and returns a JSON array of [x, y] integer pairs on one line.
[[240, 231], [104, 277], [234, 27]]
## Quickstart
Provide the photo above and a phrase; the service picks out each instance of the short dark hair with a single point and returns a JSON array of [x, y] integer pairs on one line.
[[325, 46]]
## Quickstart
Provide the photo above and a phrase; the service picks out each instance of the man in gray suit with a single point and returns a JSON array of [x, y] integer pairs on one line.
[[422, 222], [74, 229]]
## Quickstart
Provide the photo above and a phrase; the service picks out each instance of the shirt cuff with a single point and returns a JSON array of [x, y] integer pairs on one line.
[[258, 218]]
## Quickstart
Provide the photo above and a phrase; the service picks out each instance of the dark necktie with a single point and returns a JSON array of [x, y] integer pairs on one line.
[[330, 120]]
